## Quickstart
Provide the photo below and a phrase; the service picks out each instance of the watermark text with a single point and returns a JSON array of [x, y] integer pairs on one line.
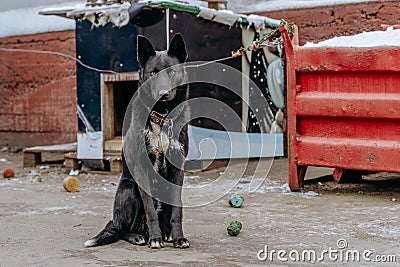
[[340, 253]]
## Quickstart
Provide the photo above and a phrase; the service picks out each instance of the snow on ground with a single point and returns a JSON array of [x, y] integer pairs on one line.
[[246, 6], [28, 21], [390, 37]]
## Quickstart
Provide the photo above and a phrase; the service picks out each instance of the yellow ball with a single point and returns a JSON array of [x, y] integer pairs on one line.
[[71, 184]]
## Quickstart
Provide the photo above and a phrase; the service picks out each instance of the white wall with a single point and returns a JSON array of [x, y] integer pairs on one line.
[[19, 17], [14, 4]]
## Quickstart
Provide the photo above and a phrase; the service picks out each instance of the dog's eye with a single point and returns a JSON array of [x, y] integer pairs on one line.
[[172, 72]]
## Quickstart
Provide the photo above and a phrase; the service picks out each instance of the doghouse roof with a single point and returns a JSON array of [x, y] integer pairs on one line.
[[119, 14]]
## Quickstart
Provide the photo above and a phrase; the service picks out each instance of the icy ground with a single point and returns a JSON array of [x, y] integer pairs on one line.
[[43, 225]]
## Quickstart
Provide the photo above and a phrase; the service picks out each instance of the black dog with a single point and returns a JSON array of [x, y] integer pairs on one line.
[[148, 209]]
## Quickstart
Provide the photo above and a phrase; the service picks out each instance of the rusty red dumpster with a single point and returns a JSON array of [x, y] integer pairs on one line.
[[343, 108]]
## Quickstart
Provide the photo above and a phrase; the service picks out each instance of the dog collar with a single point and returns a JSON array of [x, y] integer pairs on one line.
[[159, 118]]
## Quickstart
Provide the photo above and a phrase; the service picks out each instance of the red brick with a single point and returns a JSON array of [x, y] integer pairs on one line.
[[38, 91], [321, 23]]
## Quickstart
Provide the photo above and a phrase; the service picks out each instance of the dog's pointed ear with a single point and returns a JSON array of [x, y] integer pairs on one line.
[[177, 48], [144, 50]]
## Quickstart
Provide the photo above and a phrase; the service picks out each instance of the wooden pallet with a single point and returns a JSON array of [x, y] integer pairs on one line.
[[33, 156], [109, 164], [113, 146], [205, 165], [71, 162]]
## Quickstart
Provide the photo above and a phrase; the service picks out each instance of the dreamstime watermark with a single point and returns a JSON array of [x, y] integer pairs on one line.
[[340, 253]]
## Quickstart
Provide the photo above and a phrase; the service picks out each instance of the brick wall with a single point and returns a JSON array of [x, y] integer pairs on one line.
[[37, 91], [321, 23]]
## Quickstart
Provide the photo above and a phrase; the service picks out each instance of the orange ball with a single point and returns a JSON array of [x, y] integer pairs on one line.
[[8, 173]]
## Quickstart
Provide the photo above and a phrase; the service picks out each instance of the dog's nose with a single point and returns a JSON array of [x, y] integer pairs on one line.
[[164, 93]]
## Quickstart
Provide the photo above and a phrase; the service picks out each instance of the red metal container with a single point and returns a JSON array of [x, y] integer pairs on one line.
[[343, 108]]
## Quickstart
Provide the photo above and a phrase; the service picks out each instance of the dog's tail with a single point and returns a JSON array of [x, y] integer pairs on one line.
[[107, 236]]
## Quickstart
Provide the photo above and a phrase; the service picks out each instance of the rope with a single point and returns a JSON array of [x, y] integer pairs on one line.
[[57, 54], [263, 42]]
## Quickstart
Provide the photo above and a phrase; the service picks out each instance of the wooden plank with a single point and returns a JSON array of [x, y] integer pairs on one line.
[[114, 144], [71, 164], [116, 166], [120, 77], [205, 165], [57, 12], [107, 108], [56, 148], [51, 156], [33, 156], [31, 159]]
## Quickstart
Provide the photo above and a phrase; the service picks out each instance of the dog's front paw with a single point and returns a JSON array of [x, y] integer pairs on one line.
[[168, 239], [181, 243], [156, 243]]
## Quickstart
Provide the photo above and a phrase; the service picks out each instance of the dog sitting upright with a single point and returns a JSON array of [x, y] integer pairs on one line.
[[147, 209]]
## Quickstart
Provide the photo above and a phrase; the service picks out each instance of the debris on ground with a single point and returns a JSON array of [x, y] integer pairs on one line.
[[73, 172]]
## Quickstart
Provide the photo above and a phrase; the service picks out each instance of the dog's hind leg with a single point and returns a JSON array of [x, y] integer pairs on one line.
[[128, 218], [122, 219], [107, 236], [138, 232], [128, 214]]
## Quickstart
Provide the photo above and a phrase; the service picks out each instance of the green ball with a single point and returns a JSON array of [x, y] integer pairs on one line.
[[234, 228]]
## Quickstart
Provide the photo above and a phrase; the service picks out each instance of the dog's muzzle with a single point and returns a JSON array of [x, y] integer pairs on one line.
[[164, 93]]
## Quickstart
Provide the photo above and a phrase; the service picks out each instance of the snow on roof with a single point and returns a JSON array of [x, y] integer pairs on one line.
[[247, 6], [390, 37], [28, 21], [117, 14]]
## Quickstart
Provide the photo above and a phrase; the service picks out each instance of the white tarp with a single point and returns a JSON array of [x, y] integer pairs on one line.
[[205, 144]]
